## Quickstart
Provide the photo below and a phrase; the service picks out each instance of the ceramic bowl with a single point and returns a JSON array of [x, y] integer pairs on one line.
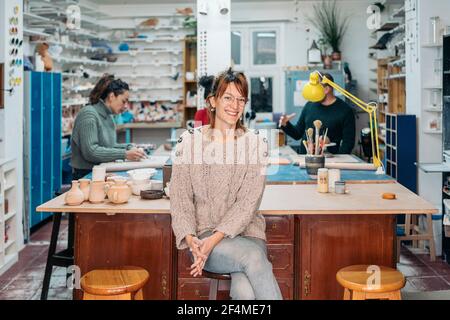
[[136, 188], [151, 194], [157, 184], [140, 174]]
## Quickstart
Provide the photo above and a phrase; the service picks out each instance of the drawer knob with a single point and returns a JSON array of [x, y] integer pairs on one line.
[[274, 226], [197, 292]]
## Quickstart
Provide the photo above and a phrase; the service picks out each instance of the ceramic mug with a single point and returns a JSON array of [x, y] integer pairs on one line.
[[97, 192], [98, 173]]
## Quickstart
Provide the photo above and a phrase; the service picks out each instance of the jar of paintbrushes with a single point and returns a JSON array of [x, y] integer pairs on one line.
[[315, 146]]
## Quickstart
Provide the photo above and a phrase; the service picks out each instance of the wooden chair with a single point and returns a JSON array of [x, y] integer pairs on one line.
[[214, 283], [123, 283], [414, 234], [355, 280]]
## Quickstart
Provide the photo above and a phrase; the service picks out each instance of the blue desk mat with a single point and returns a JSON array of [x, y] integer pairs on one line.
[[292, 173]]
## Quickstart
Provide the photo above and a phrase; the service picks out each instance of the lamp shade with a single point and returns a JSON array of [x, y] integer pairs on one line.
[[313, 90]]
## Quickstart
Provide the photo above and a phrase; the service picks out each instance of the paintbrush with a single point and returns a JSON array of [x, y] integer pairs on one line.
[[306, 146], [324, 141], [317, 125], [309, 135]]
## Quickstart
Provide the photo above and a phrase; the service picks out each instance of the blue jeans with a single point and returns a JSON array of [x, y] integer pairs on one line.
[[245, 258]]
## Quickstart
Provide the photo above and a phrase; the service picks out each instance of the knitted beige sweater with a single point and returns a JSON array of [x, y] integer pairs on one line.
[[218, 186]]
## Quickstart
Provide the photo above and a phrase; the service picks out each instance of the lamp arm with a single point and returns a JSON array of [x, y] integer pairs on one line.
[[371, 110], [347, 94]]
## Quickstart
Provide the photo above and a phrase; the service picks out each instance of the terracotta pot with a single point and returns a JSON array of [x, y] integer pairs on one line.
[[97, 192], [84, 187], [336, 56], [328, 62], [119, 192], [74, 196]]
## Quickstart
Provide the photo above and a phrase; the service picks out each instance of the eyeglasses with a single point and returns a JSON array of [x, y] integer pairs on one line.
[[229, 99]]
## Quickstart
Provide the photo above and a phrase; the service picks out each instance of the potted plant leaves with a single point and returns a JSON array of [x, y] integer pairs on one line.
[[331, 23]]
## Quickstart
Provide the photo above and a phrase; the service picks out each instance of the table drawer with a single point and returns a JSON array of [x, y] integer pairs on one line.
[[280, 229], [282, 258], [286, 287], [184, 263], [193, 289]]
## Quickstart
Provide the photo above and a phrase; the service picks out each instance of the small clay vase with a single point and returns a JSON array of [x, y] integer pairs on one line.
[[74, 196], [97, 192], [119, 192], [84, 187], [328, 62], [336, 56]]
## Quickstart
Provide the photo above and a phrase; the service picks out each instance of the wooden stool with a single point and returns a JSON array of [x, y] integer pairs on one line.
[[354, 280], [214, 283], [412, 232], [124, 283]]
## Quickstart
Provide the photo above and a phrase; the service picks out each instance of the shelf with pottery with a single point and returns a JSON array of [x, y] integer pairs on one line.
[[135, 64], [151, 39], [28, 16], [155, 98], [67, 103], [152, 88], [69, 60], [71, 45], [132, 52], [155, 28], [33, 32], [149, 125], [79, 75]]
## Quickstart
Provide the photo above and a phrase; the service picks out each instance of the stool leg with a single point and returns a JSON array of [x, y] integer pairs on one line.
[[396, 295], [139, 295], [51, 252], [213, 286], [347, 294], [358, 295], [430, 232]]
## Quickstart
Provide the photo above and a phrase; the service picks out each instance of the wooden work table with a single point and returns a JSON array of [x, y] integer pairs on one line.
[[310, 237]]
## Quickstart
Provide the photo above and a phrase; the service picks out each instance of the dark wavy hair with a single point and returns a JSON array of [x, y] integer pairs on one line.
[[206, 82], [105, 86]]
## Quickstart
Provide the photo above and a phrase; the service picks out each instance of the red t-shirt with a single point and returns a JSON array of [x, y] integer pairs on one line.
[[201, 118]]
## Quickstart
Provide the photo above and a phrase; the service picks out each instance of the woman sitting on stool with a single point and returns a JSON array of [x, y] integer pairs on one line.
[[218, 179]]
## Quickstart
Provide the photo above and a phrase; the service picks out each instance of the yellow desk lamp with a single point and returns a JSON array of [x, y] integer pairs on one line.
[[314, 92]]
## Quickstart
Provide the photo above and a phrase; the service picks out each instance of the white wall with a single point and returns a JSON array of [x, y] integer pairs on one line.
[[419, 64], [297, 40]]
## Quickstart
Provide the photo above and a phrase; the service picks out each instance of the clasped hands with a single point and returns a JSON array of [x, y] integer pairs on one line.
[[201, 248]]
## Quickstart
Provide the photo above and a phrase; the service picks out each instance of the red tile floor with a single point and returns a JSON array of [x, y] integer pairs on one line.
[[23, 281]]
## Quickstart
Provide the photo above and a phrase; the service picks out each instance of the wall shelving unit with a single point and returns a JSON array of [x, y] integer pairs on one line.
[[10, 224]]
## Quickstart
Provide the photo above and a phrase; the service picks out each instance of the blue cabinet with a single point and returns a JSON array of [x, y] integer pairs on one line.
[[401, 149], [42, 141], [294, 81]]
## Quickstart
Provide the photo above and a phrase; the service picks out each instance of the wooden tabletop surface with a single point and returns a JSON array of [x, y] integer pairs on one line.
[[282, 200]]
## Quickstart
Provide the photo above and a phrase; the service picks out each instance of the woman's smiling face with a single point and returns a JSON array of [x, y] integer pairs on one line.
[[230, 106]]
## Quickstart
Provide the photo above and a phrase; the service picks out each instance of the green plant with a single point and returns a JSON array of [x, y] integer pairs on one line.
[[330, 22], [190, 23]]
